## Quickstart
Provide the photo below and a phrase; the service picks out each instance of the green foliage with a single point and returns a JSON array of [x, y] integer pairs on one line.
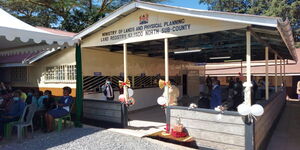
[[69, 15], [286, 9]]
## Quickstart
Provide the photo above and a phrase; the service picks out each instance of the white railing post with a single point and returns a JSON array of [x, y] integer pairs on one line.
[[125, 70], [248, 83], [167, 69]]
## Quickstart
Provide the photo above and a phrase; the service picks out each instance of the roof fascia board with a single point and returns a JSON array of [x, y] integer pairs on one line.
[[105, 20], [41, 56], [14, 65], [237, 18], [286, 33]]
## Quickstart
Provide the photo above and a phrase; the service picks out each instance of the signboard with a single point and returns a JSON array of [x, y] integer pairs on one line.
[[145, 25], [146, 29], [97, 73]]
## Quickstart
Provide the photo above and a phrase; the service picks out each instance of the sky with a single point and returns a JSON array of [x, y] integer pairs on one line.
[[186, 3]]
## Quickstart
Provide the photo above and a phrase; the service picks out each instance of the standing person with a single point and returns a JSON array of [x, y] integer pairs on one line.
[[253, 90], [108, 90], [298, 89], [209, 84], [237, 93], [63, 108], [231, 83], [216, 98], [14, 112], [261, 88]]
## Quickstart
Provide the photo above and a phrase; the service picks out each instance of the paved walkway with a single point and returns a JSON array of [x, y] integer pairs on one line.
[[88, 138], [287, 133], [144, 122]]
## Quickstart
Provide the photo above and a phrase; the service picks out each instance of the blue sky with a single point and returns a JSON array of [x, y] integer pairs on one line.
[[186, 3]]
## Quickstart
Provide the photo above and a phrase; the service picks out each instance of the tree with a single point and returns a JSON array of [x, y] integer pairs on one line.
[[69, 15], [286, 9]]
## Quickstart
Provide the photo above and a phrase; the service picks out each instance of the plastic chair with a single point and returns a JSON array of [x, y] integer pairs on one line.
[[26, 120], [8, 128], [65, 119]]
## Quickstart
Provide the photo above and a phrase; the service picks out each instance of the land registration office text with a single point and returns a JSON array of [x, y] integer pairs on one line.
[[146, 30]]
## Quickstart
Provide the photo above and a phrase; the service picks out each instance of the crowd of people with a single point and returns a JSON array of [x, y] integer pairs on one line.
[[228, 97], [212, 95], [13, 103]]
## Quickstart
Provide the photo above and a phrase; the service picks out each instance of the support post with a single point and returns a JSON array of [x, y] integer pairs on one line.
[[242, 68], [79, 90], [284, 78], [267, 72], [167, 69], [125, 91], [248, 66], [276, 80], [280, 61]]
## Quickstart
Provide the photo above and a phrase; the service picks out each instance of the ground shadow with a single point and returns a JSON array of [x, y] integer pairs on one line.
[[41, 141]]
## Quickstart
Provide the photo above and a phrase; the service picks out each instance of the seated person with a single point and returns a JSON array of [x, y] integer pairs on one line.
[[41, 100], [3, 89], [63, 108], [23, 95], [29, 96], [45, 103], [14, 112]]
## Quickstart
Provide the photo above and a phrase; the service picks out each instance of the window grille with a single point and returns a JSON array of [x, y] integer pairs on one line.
[[64, 73], [18, 74], [91, 83]]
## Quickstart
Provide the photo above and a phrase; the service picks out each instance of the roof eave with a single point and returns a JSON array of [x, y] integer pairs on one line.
[[286, 33], [222, 16]]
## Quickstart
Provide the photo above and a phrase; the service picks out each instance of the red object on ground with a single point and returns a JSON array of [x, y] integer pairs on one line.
[[178, 134]]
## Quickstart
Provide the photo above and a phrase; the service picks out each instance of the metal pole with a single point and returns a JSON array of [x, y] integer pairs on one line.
[[167, 69], [248, 62], [276, 81], [267, 72], [79, 88], [125, 70]]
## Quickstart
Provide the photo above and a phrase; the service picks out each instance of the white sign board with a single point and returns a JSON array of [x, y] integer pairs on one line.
[[144, 25]]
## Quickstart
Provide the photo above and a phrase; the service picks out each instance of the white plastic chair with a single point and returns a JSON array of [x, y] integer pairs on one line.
[[26, 119]]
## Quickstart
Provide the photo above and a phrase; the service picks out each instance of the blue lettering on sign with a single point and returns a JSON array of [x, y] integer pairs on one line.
[[146, 30]]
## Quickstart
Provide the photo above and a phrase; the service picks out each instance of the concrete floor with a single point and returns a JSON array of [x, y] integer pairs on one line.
[[144, 122], [287, 133]]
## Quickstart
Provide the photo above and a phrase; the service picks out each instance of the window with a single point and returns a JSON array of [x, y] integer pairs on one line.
[[64, 73], [18, 74]]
